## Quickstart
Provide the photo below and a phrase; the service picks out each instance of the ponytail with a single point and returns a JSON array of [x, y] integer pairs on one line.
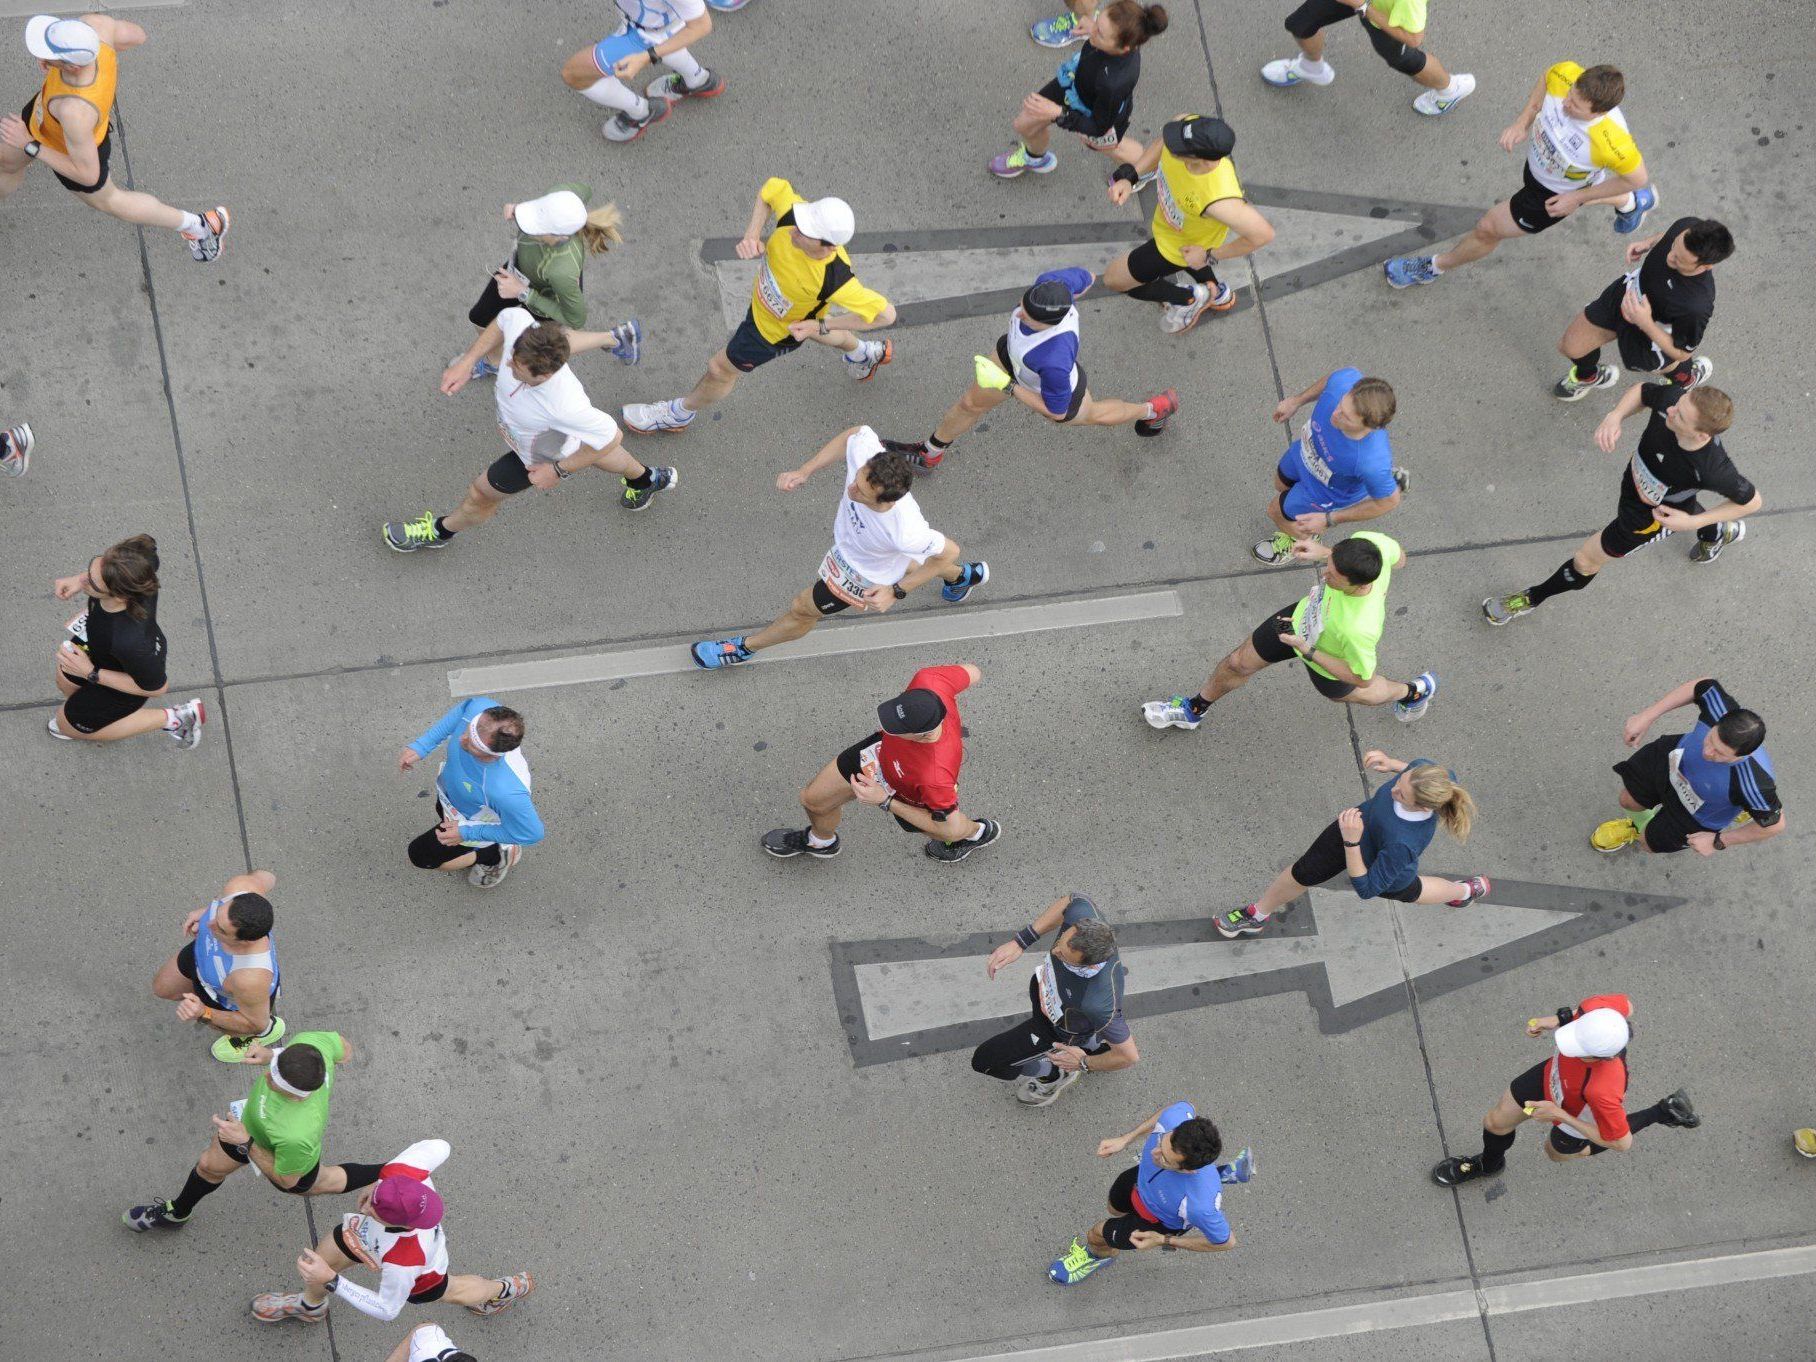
[[1432, 788], [1135, 22], [602, 232], [129, 570]]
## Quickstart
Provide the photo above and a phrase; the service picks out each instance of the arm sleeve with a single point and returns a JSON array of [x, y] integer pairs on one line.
[[518, 822], [1073, 277], [1561, 77], [956, 679], [1055, 362], [419, 1160], [583, 192], [1392, 868], [1174, 1115], [557, 295], [1713, 702], [1753, 788], [387, 1302], [865, 302], [1209, 1220], [1723, 478], [1658, 397], [143, 661], [779, 194], [1378, 468], [439, 732]]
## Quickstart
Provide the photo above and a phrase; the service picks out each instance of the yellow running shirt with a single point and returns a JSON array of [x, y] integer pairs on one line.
[[44, 125], [1408, 15], [791, 282], [1568, 153], [1180, 200]]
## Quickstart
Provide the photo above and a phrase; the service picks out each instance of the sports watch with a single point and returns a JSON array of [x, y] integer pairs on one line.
[[33, 147]]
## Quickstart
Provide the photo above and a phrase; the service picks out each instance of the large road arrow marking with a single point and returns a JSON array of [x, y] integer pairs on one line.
[[1352, 960]]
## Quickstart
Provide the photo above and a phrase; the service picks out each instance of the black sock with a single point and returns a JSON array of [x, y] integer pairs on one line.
[[1197, 704], [1586, 368], [1163, 291], [1412, 693], [1566, 578], [489, 855], [183, 1205], [1652, 1115], [937, 445], [442, 531], [643, 481], [1494, 1150], [1709, 534], [361, 1174]]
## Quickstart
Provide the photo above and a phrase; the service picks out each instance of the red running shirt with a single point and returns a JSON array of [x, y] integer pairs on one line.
[[1599, 1085], [926, 773]]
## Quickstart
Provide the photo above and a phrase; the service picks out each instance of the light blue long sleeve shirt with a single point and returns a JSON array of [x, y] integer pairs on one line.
[[491, 797]]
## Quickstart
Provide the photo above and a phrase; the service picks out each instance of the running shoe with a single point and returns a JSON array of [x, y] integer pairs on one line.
[[1452, 1172], [627, 342], [191, 715], [1644, 201], [230, 1049], [1013, 163], [650, 418], [1498, 610], [491, 876], [728, 6], [157, 1215], [1178, 318], [870, 356], [1407, 710], [1614, 835], [976, 574], [621, 127], [951, 853], [639, 498], [926, 458], [1478, 887], [1403, 271], [1164, 406], [274, 1307], [1700, 370], [673, 88], [1240, 1169], [1435, 102], [482, 368], [714, 654], [407, 536], [206, 249], [1291, 71], [58, 733], [1275, 551], [1240, 922], [16, 450], [1044, 1092], [785, 843], [1804, 1142], [1174, 713], [510, 1290], [1570, 388], [1061, 31], [1708, 550], [1679, 1112], [1078, 1264], [1402, 478]]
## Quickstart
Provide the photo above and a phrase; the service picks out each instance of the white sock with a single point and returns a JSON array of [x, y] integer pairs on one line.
[[1452, 90], [1257, 914], [976, 835], [682, 63], [172, 721], [192, 226], [1148, 407], [611, 93], [1626, 205], [1313, 68], [680, 406], [815, 840]]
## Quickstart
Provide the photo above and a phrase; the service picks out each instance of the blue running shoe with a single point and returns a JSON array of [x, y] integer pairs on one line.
[[1062, 31], [728, 6], [483, 369], [1408, 710], [1403, 271], [976, 574], [1239, 1169], [628, 341], [1078, 1264], [714, 653], [1644, 201]]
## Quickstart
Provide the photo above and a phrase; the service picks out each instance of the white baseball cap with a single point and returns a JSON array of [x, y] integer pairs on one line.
[[828, 220], [558, 214], [1599, 1034], [49, 38]]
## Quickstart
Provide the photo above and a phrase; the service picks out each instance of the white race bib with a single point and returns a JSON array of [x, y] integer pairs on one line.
[[1050, 1003], [870, 762], [1169, 206], [1692, 801], [1314, 616], [842, 579], [771, 292], [78, 628], [1649, 485]]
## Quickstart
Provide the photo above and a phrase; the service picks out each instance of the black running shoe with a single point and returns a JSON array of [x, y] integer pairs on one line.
[[1679, 1112], [155, 1216], [952, 852], [784, 843], [1454, 1171]]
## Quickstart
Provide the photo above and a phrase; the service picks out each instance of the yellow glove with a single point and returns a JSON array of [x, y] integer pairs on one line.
[[990, 374]]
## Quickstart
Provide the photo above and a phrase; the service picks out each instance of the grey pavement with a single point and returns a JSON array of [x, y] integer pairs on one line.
[[637, 1045]]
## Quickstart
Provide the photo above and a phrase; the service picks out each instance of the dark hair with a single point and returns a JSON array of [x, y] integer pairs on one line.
[[1741, 729], [129, 570], [543, 349], [1094, 940], [508, 735], [302, 1066], [1197, 1142], [250, 915], [891, 474], [459, 1355], [1709, 241], [1602, 86], [1358, 560], [1135, 23]]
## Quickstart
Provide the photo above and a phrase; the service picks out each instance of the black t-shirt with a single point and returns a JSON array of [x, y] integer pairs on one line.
[[1682, 304], [1662, 470], [1106, 84], [118, 642]]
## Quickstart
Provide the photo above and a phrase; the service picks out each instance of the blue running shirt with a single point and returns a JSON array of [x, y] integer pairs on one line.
[[1330, 471], [1181, 1200]]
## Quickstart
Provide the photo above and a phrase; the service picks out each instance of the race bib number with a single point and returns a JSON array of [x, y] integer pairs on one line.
[[361, 1234], [771, 292], [1649, 485], [870, 762], [1169, 205], [1050, 1005], [842, 579], [1314, 616], [1552, 151], [1312, 456], [1686, 792], [78, 628], [1103, 141]]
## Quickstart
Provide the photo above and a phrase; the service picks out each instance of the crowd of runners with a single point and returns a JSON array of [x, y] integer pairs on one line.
[[1708, 789]]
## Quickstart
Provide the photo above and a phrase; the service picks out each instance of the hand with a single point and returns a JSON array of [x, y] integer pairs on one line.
[[626, 67], [1035, 106], [1512, 136], [314, 1268], [1633, 732], [455, 376], [1376, 760], [1196, 257], [65, 587], [1637, 251], [1121, 191], [448, 832], [1637, 308], [1702, 842], [1146, 1239], [407, 759], [1546, 1111], [509, 285], [1068, 1058], [803, 330], [1312, 522], [1562, 205], [1002, 957], [1349, 824], [1608, 433], [257, 1054], [750, 247], [231, 1132], [189, 1008], [543, 475], [867, 790], [1112, 1146], [510, 212], [879, 598], [13, 131], [73, 662], [1538, 1026], [1673, 519], [1309, 549], [193, 921], [1297, 644], [1283, 411], [791, 481]]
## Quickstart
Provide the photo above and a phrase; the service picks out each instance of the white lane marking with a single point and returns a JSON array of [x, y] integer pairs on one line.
[[15, 9], [1405, 1312], [917, 630]]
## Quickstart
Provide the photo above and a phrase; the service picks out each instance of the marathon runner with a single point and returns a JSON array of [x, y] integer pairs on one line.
[[1333, 631], [1092, 94], [552, 428], [1198, 205], [1657, 312], [397, 1232], [1171, 1199], [1037, 364], [1680, 454], [1709, 789], [1378, 846], [278, 1129], [805, 271], [68, 126], [227, 977], [428, 1343], [1068, 29], [882, 547], [1341, 471], [650, 31], [15, 450], [1580, 153], [482, 793], [1579, 1092], [909, 769], [1395, 29]]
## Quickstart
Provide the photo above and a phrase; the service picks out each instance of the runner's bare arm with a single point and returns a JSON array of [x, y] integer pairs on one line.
[[82, 163], [750, 246], [1584, 1124], [1195, 1242], [827, 455], [972, 672], [251, 990], [936, 566], [1369, 509], [1615, 186], [955, 827], [850, 321], [119, 34], [1252, 230], [258, 882]]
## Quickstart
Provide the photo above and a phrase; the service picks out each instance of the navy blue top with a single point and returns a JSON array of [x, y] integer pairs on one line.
[[1392, 843]]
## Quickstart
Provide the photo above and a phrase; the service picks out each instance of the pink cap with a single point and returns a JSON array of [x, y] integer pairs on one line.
[[405, 1201]]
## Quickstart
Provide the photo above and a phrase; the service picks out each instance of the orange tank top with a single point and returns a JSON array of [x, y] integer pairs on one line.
[[99, 93]]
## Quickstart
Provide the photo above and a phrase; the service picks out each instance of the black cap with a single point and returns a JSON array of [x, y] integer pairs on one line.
[[913, 711], [1047, 301], [1200, 136]]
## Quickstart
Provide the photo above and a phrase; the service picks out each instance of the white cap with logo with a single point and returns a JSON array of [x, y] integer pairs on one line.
[[1599, 1034], [559, 214], [49, 38], [828, 220]]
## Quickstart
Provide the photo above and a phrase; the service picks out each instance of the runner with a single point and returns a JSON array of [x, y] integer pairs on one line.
[[227, 977], [482, 793], [1580, 153], [909, 769], [15, 449], [1680, 454], [1579, 1092], [882, 548], [1657, 312], [552, 428], [546, 271], [1067, 29], [428, 1343], [1092, 95], [1198, 206], [1171, 1199], [1076, 993], [1710, 789], [1395, 29], [1378, 846], [278, 1129], [1333, 631], [67, 126], [114, 658], [650, 31], [397, 1232], [1037, 364], [1341, 471]]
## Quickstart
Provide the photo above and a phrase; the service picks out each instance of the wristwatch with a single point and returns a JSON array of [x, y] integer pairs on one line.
[[332, 1284], [33, 147], [900, 595], [825, 329], [561, 472], [1084, 1064], [1719, 844], [888, 799], [1169, 1247]]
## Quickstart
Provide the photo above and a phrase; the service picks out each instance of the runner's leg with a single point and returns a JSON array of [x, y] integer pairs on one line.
[[976, 404], [580, 72], [13, 165], [825, 798], [1232, 673], [479, 505], [793, 623], [1497, 225], [132, 205], [1111, 411], [715, 384], [1582, 344]]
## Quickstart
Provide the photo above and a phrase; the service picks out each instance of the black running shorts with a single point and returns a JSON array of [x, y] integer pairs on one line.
[[1528, 206], [1266, 641]]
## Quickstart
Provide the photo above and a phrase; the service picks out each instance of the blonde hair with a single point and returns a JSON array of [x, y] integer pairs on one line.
[[601, 232], [1373, 399], [1432, 788]]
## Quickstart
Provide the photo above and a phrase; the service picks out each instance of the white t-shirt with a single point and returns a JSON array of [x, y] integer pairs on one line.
[[550, 420], [881, 545], [659, 19], [430, 1343]]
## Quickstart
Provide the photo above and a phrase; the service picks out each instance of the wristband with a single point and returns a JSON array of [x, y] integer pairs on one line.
[[561, 472], [888, 799], [1027, 936], [1126, 173], [1352, 844], [1084, 1064], [1168, 1246], [207, 1016], [1566, 1015]]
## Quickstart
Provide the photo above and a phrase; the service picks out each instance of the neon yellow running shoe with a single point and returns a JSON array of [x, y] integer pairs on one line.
[[1078, 1264], [232, 1049], [1616, 833], [1805, 1142]]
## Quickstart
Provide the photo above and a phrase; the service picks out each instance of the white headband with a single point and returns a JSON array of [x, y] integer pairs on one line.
[[277, 1079], [479, 742]]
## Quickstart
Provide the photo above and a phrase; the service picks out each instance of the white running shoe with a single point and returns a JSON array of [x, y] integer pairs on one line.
[[191, 715], [1044, 1092], [491, 876], [1178, 318], [1435, 102], [650, 418], [16, 445], [1290, 71]]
